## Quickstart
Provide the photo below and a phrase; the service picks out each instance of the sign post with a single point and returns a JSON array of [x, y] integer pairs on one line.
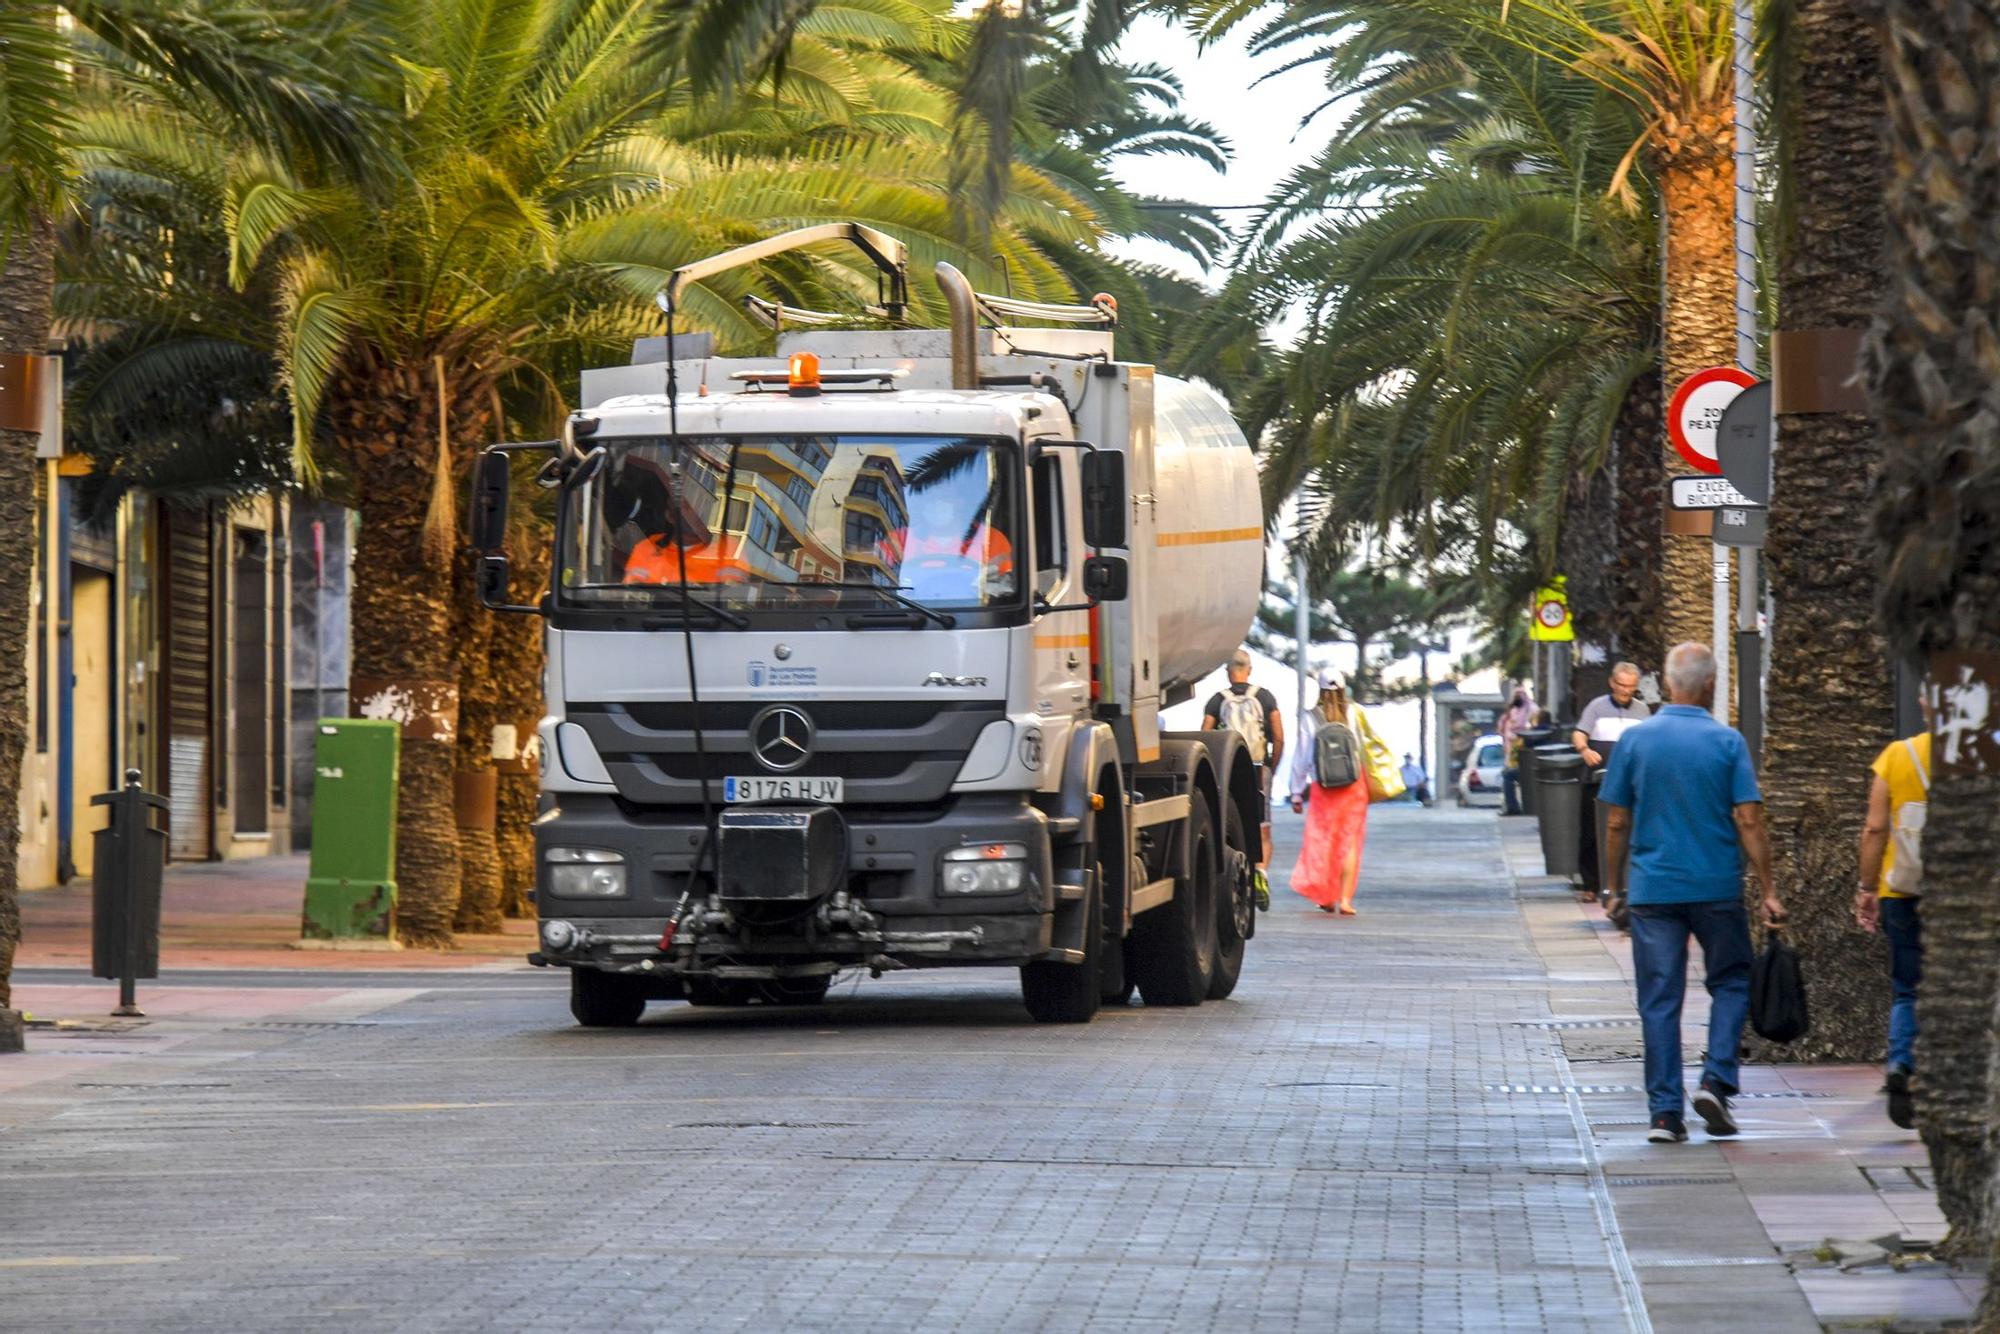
[[1694, 419], [1550, 625]]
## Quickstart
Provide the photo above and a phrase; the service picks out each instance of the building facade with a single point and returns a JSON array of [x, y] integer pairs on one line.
[[163, 640]]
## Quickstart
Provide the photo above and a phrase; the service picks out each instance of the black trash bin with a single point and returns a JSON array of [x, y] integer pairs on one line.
[[1559, 773], [1524, 785]]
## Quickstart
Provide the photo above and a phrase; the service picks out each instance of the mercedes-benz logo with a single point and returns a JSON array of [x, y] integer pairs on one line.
[[781, 738]]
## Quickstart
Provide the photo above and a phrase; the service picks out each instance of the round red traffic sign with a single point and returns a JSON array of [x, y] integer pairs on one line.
[[1552, 614], [1696, 411]]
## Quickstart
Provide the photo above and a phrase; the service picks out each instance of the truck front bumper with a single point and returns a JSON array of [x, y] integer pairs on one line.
[[885, 907]]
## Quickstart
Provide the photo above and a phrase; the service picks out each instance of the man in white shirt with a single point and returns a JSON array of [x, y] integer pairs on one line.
[[1605, 718], [1603, 721]]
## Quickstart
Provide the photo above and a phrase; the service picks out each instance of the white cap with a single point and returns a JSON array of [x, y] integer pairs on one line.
[[1331, 679]]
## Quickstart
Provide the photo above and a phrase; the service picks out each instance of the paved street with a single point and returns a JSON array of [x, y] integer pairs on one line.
[[1379, 1131]]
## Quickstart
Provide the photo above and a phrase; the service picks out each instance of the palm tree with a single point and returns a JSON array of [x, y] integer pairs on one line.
[[1482, 335], [1931, 373], [1828, 659], [251, 66], [33, 83], [1670, 64]]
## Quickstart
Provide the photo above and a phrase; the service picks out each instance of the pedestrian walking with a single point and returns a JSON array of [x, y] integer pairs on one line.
[[1330, 785], [1251, 712], [1512, 758], [1416, 781], [1890, 895], [1596, 735], [1515, 719], [1684, 799]]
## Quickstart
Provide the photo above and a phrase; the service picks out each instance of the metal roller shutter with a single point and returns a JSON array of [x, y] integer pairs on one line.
[[189, 642]]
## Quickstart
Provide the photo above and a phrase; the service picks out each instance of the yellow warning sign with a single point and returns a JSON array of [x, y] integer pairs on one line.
[[1550, 622]]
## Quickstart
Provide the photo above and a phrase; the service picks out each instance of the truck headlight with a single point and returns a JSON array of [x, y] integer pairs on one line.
[[585, 873], [986, 868]]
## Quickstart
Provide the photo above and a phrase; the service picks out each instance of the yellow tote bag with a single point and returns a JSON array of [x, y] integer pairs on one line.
[[1385, 776]]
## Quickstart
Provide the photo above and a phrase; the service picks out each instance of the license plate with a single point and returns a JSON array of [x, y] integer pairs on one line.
[[824, 791]]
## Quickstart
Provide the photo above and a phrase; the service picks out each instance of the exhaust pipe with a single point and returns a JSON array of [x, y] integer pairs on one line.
[[964, 309]]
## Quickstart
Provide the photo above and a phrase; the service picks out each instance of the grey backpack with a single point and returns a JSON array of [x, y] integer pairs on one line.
[[1336, 755]]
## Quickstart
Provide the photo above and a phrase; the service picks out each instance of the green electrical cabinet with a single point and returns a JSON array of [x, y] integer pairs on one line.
[[351, 889]]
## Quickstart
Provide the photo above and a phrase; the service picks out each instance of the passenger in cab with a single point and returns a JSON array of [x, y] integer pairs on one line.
[[951, 554]]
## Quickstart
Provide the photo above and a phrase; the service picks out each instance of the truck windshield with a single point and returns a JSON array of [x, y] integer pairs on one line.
[[795, 521]]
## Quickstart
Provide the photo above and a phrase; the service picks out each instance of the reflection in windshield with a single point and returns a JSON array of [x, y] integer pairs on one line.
[[782, 520]]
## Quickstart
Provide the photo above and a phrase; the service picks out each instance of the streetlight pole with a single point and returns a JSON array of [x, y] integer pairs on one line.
[[1302, 626], [1424, 651], [1745, 109], [1749, 662], [1424, 709]]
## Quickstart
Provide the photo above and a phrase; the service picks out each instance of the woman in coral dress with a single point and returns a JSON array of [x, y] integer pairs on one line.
[[1336, 818]]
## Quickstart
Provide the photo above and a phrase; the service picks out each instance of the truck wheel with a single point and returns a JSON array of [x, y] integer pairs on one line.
[[1069, 993], [795, 990], [719, 991], [1235, 911], [1174, 946], [604, 1000]]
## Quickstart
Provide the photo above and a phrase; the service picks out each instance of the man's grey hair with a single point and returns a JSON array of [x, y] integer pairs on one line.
[[1625, 668], [1690, 669], [1239, 661]]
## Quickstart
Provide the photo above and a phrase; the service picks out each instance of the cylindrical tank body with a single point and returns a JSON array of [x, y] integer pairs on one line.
[[1208, 565]]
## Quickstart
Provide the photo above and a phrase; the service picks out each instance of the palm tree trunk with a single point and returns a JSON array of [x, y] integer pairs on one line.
[[1610, 543], [1638, 576], [480, 889], [1932, 368], [1587, 555], [517, 672], [27, 287], [1697, 190], [1827, 659], [405, 663]]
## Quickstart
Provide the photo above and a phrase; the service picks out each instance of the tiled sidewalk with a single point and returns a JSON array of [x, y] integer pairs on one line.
[[241, 914], [1818, 1164]]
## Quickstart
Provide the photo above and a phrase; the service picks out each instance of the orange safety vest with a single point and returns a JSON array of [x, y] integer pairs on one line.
[[658, 561], [987, 546]]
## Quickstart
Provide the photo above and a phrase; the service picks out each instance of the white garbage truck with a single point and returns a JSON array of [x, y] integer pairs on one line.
[[857, 655]]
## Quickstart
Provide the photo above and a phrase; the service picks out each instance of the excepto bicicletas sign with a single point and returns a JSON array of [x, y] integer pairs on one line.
[[1695, 412]]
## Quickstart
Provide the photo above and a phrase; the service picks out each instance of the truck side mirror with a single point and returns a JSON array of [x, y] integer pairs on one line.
[[1106, 579], [488, 519], [492, 577], [1104, 500]]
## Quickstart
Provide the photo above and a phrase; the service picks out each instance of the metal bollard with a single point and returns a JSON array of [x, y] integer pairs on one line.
[[130, 857]]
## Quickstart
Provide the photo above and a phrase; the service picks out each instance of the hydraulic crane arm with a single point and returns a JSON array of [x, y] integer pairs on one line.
[[890, 256]]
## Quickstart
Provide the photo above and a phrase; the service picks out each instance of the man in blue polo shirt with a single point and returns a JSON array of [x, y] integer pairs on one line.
[[1683, 796]]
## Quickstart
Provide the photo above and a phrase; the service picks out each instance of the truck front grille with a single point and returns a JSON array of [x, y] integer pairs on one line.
[[900, 752]]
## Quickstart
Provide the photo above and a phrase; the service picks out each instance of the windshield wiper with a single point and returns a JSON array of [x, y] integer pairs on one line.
[[703, 605], [692, 603], [943, 618]]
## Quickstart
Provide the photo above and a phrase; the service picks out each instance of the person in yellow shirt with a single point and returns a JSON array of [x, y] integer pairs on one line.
[[1889, 895]]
